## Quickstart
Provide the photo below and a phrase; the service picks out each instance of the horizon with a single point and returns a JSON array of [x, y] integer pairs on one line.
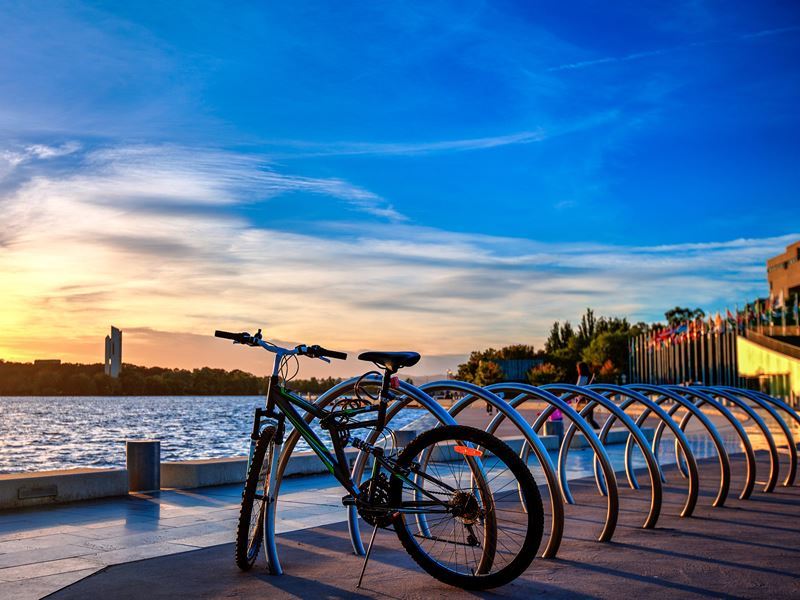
[[440, 178]]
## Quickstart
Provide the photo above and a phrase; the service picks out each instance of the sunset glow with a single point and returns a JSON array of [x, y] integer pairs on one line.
[[176, 207]]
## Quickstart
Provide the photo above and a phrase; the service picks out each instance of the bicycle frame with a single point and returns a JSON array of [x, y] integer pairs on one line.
[[287, 404], [335, 462]]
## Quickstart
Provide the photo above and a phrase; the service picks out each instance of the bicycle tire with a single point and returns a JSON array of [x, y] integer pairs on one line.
[[527, 494], [249, 535]]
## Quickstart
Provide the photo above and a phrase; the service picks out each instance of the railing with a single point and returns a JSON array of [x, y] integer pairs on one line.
[[772, 344]]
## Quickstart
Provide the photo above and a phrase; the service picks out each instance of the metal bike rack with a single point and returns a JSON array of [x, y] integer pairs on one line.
[[653, 469], [475, 393], [291, 441], [704, 398], [780, 404], [527, 392], [650, 406], [681, 402], [776, 401], [787, 433], [556, 396]]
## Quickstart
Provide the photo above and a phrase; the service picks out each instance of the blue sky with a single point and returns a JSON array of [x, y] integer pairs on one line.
[[440, 175]]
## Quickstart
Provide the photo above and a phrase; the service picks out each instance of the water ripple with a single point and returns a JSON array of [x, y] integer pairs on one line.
[[43, 433]]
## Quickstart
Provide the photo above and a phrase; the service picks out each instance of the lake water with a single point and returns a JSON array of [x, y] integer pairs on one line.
[[43, 433]]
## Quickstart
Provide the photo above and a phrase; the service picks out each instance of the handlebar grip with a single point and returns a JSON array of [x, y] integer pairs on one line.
[[236, 337], [332, 354]]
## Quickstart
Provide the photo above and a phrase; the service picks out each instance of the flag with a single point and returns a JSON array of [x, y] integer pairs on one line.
[[717, 323], [728, 316], [796, 310]]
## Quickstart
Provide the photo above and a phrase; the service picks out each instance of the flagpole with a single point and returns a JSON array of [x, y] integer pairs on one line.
[[726, 340], [783, 313], [694, 351], [723, 349], [701, 338]]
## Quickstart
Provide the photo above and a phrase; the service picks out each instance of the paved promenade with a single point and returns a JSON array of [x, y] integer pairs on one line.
[[749, 549], [47, 548]]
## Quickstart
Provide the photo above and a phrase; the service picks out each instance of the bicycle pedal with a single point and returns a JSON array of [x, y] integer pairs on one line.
[[348, 500]]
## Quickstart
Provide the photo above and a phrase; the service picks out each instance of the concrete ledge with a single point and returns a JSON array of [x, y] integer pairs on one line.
[[223, 471], [18, 490], [202, 473]]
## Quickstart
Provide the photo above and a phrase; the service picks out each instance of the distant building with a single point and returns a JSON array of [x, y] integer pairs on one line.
[[47, 361], [517, 369], [113, 361], [783, 272]]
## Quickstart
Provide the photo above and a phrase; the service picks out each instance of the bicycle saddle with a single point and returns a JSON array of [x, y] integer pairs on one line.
[[392, 361]]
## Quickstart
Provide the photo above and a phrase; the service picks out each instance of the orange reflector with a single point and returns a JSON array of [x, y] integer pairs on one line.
[[467, 451]]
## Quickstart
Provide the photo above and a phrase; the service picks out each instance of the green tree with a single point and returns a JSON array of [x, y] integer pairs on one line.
[[676, 316], [607, 347], [488, 372], [587, 326], [559, 337], [468, 371], [546, 373]]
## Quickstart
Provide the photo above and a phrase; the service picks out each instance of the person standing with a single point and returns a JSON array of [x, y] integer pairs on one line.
[[585, 377]]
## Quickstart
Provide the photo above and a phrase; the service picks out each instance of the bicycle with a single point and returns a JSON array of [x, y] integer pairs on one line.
[[464, 506]]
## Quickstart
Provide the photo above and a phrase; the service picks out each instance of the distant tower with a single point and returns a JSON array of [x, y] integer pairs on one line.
[[113, 362]]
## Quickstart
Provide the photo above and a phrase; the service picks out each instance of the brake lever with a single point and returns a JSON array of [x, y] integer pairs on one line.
[[327, 360]]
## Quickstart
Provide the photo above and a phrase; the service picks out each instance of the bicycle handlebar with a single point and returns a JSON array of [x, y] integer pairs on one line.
[[255, 340]]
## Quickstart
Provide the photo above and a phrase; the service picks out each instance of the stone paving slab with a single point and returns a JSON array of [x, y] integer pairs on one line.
[[748, 549]]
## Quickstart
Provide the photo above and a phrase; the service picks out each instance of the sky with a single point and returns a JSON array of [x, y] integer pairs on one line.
[[438, 176]]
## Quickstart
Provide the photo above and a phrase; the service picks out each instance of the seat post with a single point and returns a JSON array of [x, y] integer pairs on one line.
[[383, 400], [386, 384]]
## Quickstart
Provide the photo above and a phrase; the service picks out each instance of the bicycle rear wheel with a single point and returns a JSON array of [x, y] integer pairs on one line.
[[250, 529], [470, 512]]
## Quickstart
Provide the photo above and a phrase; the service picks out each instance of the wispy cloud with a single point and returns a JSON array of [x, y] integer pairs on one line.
[[165, 175], [669, 50], [86, 253], [413, 148]]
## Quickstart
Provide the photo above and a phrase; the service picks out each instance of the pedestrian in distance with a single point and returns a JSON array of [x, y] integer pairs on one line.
[[585, 377]]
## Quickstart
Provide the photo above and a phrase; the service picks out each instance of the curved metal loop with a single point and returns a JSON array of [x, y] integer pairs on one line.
[[407, 394], [787, 433], [474, 393], [656, 490], [778, 403], [322, 401], [650, 406], [276, 478], [750, 456], [629, 472], [527, 392], [681, 402]]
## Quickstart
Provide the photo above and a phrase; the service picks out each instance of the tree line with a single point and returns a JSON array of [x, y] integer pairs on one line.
[[601, 342], [72, 379]]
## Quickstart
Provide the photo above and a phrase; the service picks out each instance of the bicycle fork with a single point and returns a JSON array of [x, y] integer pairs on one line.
[[271, 550]]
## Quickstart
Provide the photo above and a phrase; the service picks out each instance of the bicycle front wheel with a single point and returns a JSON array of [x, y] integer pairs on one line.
[[250, 529], [468, 509]]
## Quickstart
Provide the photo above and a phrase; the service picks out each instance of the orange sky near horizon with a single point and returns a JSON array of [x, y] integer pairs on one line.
[[81, 251]]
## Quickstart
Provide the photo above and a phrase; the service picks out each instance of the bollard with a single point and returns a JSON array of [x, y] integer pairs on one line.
[[143, 461], [554, 428], [403, 437]]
